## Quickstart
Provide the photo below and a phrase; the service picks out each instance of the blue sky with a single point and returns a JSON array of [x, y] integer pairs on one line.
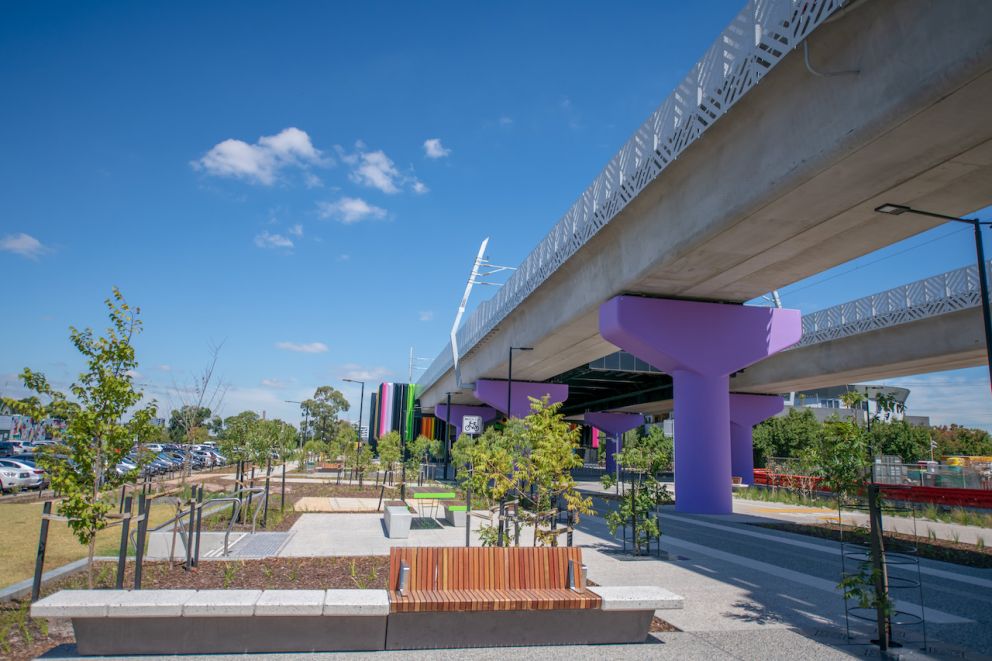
[[308, 183]]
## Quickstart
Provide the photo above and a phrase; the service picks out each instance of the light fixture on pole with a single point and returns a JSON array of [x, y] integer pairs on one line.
[[983, 283], [509, 379]]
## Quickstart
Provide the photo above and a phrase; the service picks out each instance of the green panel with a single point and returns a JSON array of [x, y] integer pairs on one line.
[[434, 496]]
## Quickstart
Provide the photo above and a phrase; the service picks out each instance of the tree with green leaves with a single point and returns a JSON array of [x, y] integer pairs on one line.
[[642, 457], [785, 436], [103, 423], [390, 449], [530, 461], [185, 420], [321, 412]]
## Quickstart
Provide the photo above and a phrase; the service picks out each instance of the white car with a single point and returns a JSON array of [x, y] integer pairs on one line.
[[12, 477], [39, 477]]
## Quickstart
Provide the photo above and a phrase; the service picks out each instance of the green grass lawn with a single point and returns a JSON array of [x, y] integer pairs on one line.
[[19, 526]]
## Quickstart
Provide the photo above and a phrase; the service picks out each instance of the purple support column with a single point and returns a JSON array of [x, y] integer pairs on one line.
[[745, 412], [494, 394], [700, 345], [487, 413], [614, 424]]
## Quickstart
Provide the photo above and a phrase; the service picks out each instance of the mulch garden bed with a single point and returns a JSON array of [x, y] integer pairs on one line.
[[934, 549]]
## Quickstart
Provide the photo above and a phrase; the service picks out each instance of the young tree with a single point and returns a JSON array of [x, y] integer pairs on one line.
[[96, 436], [196, 399], [390, 450]]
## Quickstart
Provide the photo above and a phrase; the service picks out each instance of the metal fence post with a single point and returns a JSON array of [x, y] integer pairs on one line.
[[122, 555], [144, 507], [265, 505], [39, 562], [468, 517], [199, 524]]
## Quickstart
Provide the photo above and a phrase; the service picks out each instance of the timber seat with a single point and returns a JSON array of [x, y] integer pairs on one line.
[[486, 579]]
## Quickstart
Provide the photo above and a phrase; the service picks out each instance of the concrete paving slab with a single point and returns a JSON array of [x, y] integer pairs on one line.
[[337, 504]]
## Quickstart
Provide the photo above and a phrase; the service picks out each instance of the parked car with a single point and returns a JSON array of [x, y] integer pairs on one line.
[[39, 478], [16, 478]]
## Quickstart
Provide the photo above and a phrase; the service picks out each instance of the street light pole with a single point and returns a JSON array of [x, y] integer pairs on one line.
[[983, 282], [306, 419], [509, 380], [361, 403]]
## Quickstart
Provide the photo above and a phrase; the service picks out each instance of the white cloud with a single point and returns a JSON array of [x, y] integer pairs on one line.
[[360, 373], [261, 162], [376, 170], [23, 244], [305, 347], [953, 397], [434, 149], [350, 210], [165, 368], [267, 240], [419, 188], [278, 384], [505, 121], [135, 374], [310, 180], [425, 315], [344, 257], [296, 230]]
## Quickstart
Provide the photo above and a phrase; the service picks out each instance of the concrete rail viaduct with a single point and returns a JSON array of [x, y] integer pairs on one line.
[[758, 171]]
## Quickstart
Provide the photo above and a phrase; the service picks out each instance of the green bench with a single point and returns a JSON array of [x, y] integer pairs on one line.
[[434, 498]]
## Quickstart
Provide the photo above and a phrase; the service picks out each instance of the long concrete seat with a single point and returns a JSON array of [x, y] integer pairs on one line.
[[470, 598], [109, 622]]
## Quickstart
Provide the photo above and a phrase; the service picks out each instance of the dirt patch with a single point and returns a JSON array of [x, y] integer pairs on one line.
[[935, 549], [658, 625]]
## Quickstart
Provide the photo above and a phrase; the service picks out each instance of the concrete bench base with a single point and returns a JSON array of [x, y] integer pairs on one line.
[[440, 630], [398, 520], [122, 622], [227, 635]]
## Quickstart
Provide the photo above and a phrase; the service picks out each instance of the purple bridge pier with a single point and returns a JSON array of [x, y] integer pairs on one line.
[[700, 345]]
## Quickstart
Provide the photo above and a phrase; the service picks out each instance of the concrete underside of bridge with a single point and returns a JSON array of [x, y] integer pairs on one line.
[[783, 186], [934, 344]]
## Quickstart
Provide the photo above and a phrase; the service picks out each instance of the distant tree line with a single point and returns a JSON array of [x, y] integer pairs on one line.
[[793, 434]]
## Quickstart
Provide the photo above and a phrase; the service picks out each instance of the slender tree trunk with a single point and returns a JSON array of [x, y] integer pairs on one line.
[[89, 563]]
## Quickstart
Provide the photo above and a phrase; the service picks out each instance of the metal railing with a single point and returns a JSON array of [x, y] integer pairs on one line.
[[933, 296], [761, 34]]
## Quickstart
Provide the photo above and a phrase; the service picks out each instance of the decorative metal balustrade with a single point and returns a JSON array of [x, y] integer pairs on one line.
[[933, 296], [761, 34]]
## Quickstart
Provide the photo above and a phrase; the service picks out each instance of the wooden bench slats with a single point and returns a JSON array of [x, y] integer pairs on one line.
[[492, 600], [484, 579]]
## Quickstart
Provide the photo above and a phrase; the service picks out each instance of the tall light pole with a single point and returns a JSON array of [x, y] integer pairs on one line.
[[509, 379], [361, 403], [306, 419], [983, 283]]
